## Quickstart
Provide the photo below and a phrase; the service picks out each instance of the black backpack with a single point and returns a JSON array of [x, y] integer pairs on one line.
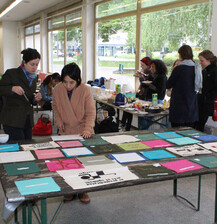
[[106, 126]]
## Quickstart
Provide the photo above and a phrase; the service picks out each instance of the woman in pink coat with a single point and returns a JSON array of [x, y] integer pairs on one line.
[[74, 108]]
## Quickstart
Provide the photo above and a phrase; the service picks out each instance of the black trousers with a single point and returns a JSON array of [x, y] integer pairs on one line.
[[127, 120], [19, 133]]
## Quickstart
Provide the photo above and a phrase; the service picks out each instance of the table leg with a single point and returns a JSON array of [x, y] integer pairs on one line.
[[199, 190], [118, 116], [175, 187], [43, 211], [15, 216], [215, 198], [24, 212], [29, 213], [180, 197]]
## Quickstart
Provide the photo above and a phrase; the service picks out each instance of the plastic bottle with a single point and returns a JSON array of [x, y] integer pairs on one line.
[[154, 100], [103, 90]]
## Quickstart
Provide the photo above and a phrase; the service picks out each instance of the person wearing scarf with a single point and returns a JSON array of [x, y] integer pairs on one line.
[[186, 81], [18, 87]]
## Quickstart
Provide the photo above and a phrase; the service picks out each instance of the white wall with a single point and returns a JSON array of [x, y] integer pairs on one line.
[[10, 45]]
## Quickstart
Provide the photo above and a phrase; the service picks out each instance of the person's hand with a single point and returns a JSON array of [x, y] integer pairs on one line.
[[139, 74], [85, 134], [18, 90], [61, 127], [38, 96]]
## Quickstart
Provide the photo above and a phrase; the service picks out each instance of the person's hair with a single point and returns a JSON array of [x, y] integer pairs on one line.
[[55, 76], [73, 71], [161, 68], [186, 52], [174, 63], [146, 60], [30, 54], [208, 55]]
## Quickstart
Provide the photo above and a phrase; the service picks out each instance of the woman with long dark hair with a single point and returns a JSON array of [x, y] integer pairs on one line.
[[209, 90], [47, 88], [185, 80]]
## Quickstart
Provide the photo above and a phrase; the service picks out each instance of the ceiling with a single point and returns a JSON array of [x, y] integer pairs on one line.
[[26, 8]]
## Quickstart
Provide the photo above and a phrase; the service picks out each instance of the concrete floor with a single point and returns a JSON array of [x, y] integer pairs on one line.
[[143, 204]]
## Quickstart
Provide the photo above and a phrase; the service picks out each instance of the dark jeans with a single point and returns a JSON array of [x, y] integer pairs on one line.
[[19, 133], [127, 120]]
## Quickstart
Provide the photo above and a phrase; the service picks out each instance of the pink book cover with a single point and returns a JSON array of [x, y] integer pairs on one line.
[[64, 164], [66, 144], [157, 143], [181, 166], [48, 153]]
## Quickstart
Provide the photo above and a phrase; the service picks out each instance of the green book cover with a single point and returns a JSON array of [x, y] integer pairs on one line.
[[151, 171], [21, 168], [207, 161]]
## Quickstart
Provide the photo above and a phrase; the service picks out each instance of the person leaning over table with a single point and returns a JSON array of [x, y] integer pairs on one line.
[[185, 81], [18, 86], [206, 97], [144, 74], [74, 109], [47, 88]]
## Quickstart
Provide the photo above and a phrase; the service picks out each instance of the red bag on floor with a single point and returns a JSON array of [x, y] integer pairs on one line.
[[43, 126]]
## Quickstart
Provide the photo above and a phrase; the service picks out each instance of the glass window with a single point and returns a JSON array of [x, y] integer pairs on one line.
[[56, 50], [56, 22], [29, 42], [115, 6], [165, 31], [148, 3], [37, 28], [73, 46], [73, 18], [29, 30], [116, 50]]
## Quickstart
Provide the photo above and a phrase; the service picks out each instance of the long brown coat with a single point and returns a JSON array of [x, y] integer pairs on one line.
[[78, 113]]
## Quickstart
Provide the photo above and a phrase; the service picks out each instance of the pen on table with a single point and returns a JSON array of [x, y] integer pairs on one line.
[[185, 168], [156, 174], [23, 168]]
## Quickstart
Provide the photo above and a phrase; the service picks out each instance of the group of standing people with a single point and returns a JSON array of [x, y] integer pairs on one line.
[[192, 89], [193, 93]]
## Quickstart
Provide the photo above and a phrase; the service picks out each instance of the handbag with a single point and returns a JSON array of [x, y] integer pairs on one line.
[[214, 117], [43, 126]]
